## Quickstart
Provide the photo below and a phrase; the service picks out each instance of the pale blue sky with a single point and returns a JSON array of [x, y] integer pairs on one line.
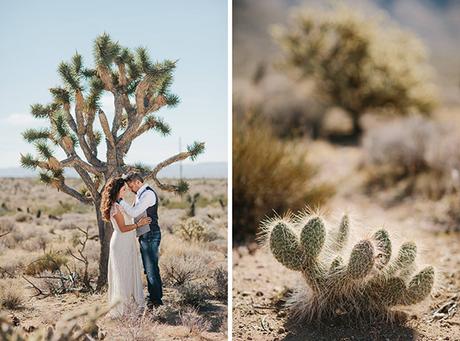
[[36, 35]]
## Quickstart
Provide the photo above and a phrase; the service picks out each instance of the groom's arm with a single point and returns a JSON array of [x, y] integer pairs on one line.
[[147, 199]]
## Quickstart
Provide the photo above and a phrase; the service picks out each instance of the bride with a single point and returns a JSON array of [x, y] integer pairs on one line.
[[124, 269]]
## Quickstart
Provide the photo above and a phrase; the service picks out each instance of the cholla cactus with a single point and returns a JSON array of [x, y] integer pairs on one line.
[[367, 286]]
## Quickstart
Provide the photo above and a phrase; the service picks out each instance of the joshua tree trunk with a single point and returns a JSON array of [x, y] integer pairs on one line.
[[105, 233]]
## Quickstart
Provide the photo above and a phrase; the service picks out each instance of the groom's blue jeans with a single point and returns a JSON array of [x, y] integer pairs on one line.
[[150, 243]]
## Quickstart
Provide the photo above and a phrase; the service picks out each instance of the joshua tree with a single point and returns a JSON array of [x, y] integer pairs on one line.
[[365, 287], [357, 63], [140, 88]]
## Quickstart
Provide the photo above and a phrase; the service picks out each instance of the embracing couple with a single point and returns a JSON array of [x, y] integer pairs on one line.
[[130, 221]]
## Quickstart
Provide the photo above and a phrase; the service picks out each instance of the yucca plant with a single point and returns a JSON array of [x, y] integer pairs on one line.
[[363, 288], [140, 88]]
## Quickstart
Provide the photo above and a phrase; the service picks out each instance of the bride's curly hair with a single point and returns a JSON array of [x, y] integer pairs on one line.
[[109, 195]]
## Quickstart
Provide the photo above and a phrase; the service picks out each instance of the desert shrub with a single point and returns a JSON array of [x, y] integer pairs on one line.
[[66, 225], [36, 243], [195, 323], [12, 268], [415, 149], [131, 326], [6, 225], [51, 261], [60, 209], [289, 106], [193, 294], [220, 282], [193, 229], [167, 313], [400, 145], [11, 294], [180, 268], [358, 63], [23, 217], [366, 287], [14, 238], [453, 213], [269, 174]]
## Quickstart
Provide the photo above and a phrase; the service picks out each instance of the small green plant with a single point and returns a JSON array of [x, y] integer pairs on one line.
[[193, 229], [50, 261], [192, 199], [366, 287]]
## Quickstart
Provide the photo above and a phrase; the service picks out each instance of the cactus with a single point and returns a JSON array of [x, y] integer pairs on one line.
[[368, 285]]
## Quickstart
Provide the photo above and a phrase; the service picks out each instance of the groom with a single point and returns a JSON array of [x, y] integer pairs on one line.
[[149, 236]]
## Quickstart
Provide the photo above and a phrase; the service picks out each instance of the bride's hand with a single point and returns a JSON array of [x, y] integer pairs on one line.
[[144, 221]]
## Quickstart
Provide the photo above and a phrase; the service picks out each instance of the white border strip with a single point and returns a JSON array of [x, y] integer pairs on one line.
[[229, 163]]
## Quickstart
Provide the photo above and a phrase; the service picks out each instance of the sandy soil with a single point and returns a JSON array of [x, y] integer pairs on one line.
[[260, 283]]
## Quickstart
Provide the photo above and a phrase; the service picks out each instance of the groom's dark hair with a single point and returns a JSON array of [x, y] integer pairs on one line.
[[134, 176]]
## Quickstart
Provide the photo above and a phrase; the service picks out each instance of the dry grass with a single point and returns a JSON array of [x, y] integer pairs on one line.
[[194, 322], [184, 265], [269, 175], [12, 295]]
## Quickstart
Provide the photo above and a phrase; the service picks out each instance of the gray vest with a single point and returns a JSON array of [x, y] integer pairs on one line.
[[151, 212]]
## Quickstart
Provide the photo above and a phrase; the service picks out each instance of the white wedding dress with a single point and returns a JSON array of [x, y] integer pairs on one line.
[[124, 270]]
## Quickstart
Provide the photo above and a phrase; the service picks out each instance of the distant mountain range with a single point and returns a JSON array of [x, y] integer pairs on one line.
[[189, 171]]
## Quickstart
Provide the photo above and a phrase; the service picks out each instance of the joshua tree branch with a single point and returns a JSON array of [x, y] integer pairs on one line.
[[75, 160], [118, 103], [135, 129], [73, 193], [122, 74], [79, 105], [106, 129], [141, 89], [69, 117], [105, 76], [90, 132], [153, 174]]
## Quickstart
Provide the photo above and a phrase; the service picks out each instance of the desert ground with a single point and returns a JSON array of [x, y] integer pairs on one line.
[[37, 221], [261, 284]]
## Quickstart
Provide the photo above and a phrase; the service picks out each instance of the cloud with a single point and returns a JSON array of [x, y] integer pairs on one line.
[[20, 120]]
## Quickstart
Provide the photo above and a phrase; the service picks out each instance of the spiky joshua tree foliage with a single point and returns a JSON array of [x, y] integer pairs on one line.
[[140, 88], [364, 288]]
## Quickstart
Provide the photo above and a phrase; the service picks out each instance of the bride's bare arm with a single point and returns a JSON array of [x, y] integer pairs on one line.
[[126, 228]]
